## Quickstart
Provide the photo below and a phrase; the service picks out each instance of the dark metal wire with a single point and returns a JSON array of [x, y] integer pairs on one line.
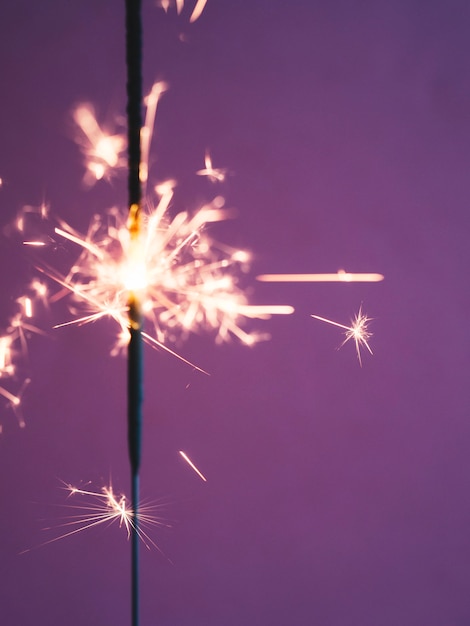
[[135, 364]]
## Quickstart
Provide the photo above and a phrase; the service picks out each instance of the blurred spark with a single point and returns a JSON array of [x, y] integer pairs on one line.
[[340, 277], [103, 152], [179, 4], [357, 331], [13, 348], [185, 280], [146, 133], [191, 464], [212, 174], [197, 11]]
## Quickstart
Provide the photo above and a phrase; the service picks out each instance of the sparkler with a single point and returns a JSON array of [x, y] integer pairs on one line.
[[134, 360], [156, 268], [358, 331]]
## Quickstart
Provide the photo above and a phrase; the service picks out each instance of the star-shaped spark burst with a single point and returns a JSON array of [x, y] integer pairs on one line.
[[358, 331], [106, 507]]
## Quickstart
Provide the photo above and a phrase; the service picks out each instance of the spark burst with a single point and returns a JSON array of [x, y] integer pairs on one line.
[[185, 280], [105, 507], [358, 331]]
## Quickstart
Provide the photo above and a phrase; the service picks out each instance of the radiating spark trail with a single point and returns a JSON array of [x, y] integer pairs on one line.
[[340, 277], [146, 133], [192, 466], [357, 331], [107, 507]]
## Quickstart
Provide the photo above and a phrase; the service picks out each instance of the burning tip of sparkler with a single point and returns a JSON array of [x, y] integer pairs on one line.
[[357, 331]]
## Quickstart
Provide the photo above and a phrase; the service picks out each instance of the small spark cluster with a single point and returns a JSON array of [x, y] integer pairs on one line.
[[13, 347], [105, 507]]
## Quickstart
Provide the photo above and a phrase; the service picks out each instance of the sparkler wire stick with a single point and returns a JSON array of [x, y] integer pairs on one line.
[[135, 365]]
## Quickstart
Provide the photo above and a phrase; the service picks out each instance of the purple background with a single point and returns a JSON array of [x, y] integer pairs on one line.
[[336, 496]]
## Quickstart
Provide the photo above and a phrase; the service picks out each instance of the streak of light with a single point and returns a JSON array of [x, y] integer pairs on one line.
[[192, 466], [340, 277]]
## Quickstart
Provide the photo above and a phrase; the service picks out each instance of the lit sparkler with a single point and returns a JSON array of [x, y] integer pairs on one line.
[[185, 280], [358, 331]]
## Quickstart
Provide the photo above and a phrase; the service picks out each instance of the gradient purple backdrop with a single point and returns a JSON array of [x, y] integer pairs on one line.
[[336, 496]]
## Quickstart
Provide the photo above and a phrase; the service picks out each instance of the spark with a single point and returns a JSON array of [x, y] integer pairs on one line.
[[191, 464], [13, 348], [179, 4], [358, 331], [146, 133], [212, 174], [197, 11], [107, 507], [340, 277], [103, 152]]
